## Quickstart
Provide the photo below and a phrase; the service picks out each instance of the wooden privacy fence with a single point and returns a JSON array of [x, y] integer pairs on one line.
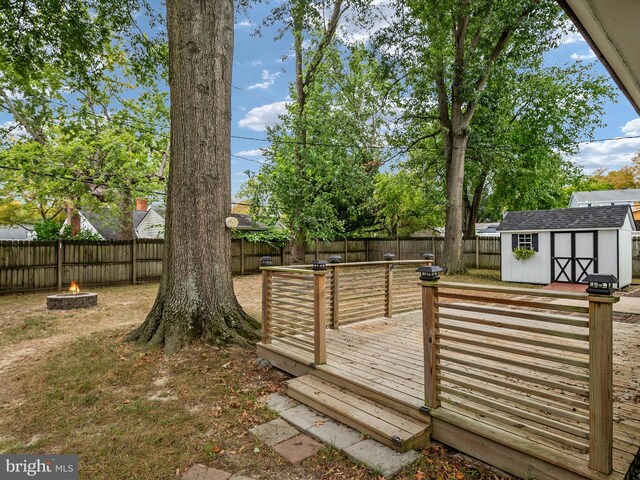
[[33, 266], [527, 370], [298, 304]]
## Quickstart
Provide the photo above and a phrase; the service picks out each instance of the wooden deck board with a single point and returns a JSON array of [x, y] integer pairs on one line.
[[385, 355]]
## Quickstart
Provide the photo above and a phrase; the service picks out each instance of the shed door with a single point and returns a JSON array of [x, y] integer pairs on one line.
[[573, 256]]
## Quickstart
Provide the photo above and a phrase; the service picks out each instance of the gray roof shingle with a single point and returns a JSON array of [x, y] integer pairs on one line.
[[627, 195], [612, 216]]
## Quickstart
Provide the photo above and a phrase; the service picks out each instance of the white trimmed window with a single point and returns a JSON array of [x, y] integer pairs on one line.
[[525, 240]]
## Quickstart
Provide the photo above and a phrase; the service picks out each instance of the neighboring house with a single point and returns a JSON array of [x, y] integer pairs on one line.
[[17, 232], [570, 243], [147, 223], [599, 198], [487, 229]]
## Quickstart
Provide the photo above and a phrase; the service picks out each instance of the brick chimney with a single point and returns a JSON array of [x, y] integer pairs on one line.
[[141, 204], [76, 224]]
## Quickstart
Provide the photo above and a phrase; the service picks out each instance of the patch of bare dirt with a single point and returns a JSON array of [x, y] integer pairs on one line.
[[29, 332]]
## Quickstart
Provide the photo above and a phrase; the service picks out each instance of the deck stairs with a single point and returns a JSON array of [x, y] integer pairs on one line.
[[379, 421]]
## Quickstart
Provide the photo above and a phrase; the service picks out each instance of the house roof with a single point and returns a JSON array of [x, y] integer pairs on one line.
[[245, 222], [610, 27], [106, 221], [612, 216], [14, 232], [627, 195]]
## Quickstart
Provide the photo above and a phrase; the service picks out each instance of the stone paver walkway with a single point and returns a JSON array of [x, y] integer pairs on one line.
[[374, 455]]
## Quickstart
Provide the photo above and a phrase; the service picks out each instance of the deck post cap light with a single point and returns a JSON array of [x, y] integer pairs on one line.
[[335, 259], [427, 256], [266, 261], [429, 273], [601, 284], [389, 256], [319, 265]]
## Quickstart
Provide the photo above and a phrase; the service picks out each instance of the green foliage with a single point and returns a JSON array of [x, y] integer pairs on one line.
[[522, 253], [47, 229], [406, 203], [53, 230], [321, 184], [274, 237]]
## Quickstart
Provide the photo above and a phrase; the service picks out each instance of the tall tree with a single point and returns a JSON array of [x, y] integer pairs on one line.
[[525, 129], [449, 50], [326, 188], [196, 297]]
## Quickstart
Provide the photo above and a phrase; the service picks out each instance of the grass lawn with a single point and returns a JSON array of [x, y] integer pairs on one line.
[[71, 385]]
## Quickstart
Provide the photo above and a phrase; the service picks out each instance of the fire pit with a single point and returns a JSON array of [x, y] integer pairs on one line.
[[73, 299]]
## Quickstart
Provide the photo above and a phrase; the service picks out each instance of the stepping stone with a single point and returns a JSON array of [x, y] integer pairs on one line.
[[303, 417], [200, 472], [298, 448], [380, 458], [335, 434], [278, 402], [274, 432], [241, 477]]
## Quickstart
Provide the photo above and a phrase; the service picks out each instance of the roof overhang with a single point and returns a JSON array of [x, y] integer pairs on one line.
[[611, 29]]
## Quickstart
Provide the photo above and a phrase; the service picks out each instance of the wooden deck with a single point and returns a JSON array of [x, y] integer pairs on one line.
[[480, 413]]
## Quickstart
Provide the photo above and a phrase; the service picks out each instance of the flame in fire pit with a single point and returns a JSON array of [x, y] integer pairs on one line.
[[74, 288]]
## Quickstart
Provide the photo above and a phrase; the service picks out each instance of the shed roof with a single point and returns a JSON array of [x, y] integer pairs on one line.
[[611, 216]]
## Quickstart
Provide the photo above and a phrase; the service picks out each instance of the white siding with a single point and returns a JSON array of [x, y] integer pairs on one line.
[[151, 226], [532, 270], [607, 252], [84, 226], [626, 254]]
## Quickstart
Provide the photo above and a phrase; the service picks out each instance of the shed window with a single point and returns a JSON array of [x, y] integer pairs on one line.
[[525, 240]]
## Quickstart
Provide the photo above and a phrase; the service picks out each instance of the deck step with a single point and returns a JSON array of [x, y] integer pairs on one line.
[[379, 422]]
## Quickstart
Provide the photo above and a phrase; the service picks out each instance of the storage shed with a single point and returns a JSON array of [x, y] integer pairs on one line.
[[569, 244]]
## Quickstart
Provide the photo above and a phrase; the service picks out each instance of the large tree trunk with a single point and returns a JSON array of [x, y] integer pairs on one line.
[[298, 244], [472, 208], [454, 251], [196, 298], [126, 219]]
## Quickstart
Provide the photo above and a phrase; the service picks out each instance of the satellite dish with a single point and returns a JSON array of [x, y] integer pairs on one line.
[[231, 222]]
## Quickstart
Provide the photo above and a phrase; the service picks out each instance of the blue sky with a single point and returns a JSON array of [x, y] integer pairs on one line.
[[261, 81], [264, 79]]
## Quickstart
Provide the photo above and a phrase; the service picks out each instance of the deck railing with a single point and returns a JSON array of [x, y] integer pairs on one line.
[[530, 370], [299, 303]]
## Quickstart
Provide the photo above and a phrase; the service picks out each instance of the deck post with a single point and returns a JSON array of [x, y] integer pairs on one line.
[[319, 318], [267, 278], [335, 296], [389, 290], [601, 383], [429, 312]]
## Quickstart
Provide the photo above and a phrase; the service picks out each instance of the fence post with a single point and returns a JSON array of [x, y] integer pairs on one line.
[[319, 318], [398, 248], [60, 263], [134, 261], [317, 249], [366, 249], [241, 256], [477, 251], [433, 247], [429, 313], [267, 277], [388, 294], [335, 296], [346, 250], [601, 382], [281, 255]]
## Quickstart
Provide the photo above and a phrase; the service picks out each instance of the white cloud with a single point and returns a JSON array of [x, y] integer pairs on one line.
[[250, 153], [570, 34], [13, 128], [632, 128], [585, 56], [268, 80], [259, 118], [244, 24]]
